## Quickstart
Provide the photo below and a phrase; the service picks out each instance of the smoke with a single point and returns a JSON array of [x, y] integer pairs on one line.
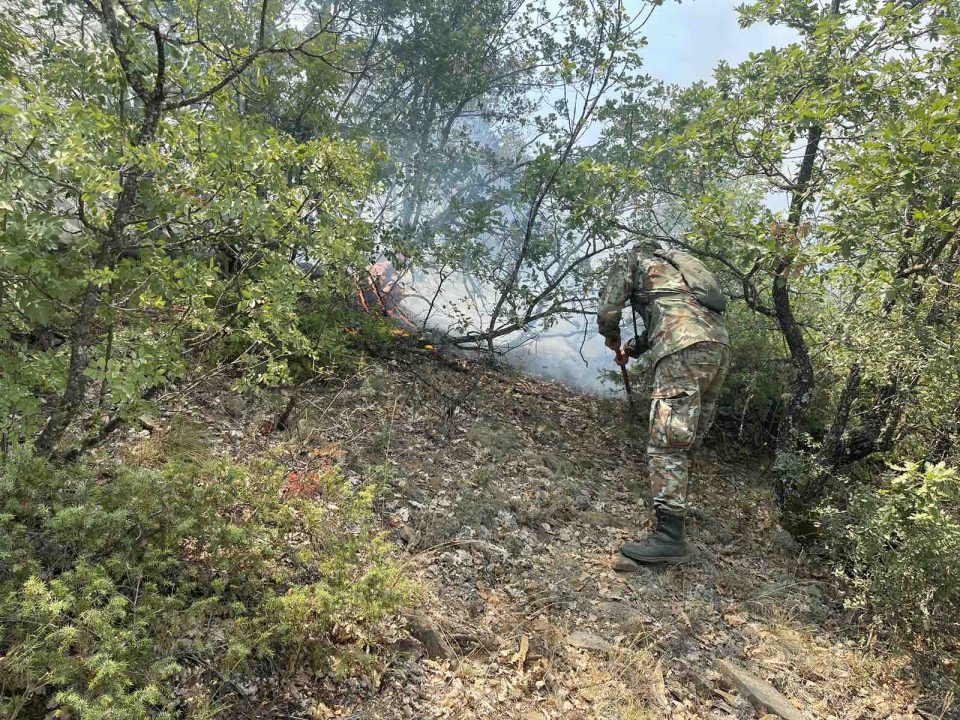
[[463, 186], [569, 351]]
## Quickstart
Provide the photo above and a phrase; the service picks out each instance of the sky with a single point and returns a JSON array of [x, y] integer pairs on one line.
[[687, 40]]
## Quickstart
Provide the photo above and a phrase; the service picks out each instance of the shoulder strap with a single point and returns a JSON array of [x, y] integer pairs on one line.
[[700, 282], [673, 263]]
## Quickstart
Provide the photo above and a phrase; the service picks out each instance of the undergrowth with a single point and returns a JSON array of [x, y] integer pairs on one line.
[[159, 593], [899, 559]]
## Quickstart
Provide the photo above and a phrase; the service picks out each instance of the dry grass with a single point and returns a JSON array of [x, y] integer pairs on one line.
[[181, 438], [508, 502]]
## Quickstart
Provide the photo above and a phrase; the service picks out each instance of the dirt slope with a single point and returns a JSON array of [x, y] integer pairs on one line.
[[509, 496]]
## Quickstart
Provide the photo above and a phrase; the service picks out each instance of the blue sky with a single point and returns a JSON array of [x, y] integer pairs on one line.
[[687, 40]]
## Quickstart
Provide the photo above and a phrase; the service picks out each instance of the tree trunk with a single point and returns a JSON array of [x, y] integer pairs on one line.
[[83, 337], [804, 381], [830, 448], [84, 333], [938, 258]]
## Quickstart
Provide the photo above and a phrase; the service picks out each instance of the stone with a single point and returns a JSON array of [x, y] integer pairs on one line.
[[585, 640], [234, 405], [426, 631], [582, 502], [407, 535], [760, 693], [783, 539], [621, 563]]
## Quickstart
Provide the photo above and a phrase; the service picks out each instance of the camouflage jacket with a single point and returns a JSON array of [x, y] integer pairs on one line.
[[672, 317]]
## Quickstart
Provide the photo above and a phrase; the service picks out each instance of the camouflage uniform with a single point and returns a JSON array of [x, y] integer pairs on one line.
[[690, 355]]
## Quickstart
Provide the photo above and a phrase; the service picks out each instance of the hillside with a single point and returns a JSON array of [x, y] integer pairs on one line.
[[239, 480], [507, 497]]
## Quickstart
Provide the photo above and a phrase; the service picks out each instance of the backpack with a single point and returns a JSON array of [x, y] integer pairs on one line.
[[702, 283]]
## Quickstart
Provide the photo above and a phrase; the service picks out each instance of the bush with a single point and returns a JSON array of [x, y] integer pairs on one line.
[[752, 395], [339, 335], [904, 555], [133, 593]]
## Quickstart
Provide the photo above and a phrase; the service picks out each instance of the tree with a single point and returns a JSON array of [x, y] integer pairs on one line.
[[146, 213], [855, 274], [485, 111]]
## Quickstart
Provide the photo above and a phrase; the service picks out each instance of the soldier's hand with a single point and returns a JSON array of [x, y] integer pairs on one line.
[[613, 342], [636, 347]]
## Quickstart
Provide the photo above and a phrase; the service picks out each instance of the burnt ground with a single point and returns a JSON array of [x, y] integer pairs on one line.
[[507, 496]]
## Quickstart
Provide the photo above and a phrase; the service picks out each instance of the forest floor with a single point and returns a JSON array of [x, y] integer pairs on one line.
[[508, 497]]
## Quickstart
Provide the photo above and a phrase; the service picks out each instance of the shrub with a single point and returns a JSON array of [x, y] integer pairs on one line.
[[752, 395], [339, 336], [904, 555], [134, 593]]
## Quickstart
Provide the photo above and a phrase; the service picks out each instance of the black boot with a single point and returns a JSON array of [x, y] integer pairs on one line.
[[665, 544]]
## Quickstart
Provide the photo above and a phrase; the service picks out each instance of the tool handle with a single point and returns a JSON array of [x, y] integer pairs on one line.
[[622, 362]]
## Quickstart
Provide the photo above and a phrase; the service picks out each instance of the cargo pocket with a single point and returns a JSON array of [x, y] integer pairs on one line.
[[674, 415]]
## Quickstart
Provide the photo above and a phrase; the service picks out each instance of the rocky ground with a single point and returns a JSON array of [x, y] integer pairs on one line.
[[508, 497]]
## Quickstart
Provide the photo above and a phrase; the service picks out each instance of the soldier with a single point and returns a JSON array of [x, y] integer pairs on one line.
[[682, 306]]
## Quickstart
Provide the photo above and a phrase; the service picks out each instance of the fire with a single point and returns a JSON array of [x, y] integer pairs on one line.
[[378, 290]]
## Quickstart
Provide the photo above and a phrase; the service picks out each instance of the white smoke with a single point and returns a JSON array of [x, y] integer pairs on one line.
[[570, 351]]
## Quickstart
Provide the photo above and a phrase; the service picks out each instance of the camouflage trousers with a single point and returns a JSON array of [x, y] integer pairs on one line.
[[686, 387]]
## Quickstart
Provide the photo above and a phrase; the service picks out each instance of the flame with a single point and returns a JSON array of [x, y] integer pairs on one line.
[[377, 294], [311, 481], [361, 298]]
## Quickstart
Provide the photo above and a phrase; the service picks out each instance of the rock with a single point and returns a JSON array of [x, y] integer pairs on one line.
[[407, 535], [783, 539], [621, 563], [148, 422], [492, 553], [761, 693], [582, 502], [589, 641], [456, 558], [234, 405], [426, 631]]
